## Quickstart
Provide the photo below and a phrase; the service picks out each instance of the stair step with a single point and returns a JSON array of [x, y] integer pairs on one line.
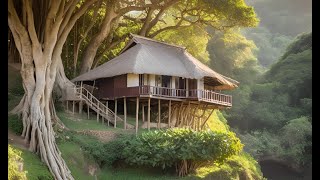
[[97, 106]]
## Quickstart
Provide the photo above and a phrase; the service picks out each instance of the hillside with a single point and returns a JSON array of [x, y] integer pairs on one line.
[[89, 147], [276, 111]]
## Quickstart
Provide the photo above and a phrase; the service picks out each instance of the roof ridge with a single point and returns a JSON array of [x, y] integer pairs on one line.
[[156, 41]]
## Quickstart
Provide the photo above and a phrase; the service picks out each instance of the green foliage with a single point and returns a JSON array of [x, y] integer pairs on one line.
[[193, 38], [242, 166], [296, 140], [104, 154], [302, 42], [77, 160], [15, 124], [229, 51], [261, 143], [306, 105], [217, 122], [292, 143], [113, 149], [277, 111], [35, 168], [14, 157], [270, 45], [174, 146]]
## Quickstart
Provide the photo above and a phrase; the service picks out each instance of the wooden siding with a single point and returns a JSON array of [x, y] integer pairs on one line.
[[105, 88]]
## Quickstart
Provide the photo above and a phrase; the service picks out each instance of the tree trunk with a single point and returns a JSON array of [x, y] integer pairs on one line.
[[91, 50], [40, 53]]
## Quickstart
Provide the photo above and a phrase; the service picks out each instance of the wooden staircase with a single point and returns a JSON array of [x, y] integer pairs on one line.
[[101, 109]]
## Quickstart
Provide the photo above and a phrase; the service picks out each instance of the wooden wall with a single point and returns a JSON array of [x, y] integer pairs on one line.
[[107, 86]]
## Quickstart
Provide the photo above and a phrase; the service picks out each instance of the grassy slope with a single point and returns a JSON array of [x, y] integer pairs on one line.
[[33, 165], [78, 161]]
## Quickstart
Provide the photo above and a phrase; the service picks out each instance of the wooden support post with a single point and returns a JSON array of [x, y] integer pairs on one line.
[[115, 113], [148, 114], [159, 113], [169, 114], [125, 112], [193, 115], [73, 107], [142, 113], [88, 111], [67, 106], [202, 126], [187, 87], [107, 113], [185, 116], [80, 107], [98, 113], [179, 115], [102, 117], [137, 115]]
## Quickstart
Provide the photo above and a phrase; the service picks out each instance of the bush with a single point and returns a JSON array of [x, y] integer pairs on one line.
[[113, 149], [15, 124], [13, 167], [241, 166], [184, 148], [104, 154]]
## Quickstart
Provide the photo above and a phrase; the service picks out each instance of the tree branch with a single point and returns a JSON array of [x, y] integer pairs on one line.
[[68, 12], [31, 29], [168, 28], [64, 34], [146, 23], [95, 14], [113, 44]]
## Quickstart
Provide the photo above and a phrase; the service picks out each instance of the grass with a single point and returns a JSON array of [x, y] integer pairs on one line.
[[76, 160], [15, 124], [79, 161], [135, 174], [241, 166], [78, 122], [33, 165]]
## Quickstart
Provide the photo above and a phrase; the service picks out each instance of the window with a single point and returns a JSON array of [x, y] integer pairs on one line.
[[158, 80], [143, 79], [146, 79]]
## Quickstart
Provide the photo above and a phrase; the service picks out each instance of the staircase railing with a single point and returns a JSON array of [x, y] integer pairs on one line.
[[95, 104]]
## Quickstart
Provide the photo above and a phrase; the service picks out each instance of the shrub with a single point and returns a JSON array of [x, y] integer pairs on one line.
[[15, 124], [113, 149], [13, 167], [184, 148], [104, 154], [241, 166]]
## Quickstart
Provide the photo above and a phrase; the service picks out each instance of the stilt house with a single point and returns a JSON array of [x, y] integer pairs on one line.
[[154, 73]]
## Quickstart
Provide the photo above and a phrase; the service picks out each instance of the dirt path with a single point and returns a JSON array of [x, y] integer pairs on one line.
[[17, 140], [103, 136]]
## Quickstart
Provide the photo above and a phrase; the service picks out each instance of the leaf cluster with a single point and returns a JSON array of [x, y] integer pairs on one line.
[[170, 147]]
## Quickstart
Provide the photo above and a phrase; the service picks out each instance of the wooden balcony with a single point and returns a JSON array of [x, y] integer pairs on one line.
[[196, 94]]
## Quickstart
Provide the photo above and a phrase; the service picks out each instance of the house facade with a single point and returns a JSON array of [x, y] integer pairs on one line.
[[154, 73]]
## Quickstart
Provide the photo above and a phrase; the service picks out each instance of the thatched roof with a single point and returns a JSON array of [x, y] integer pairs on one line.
[[147, 56]]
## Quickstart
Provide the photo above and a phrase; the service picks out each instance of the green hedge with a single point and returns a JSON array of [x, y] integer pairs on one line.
[[183, 149]]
